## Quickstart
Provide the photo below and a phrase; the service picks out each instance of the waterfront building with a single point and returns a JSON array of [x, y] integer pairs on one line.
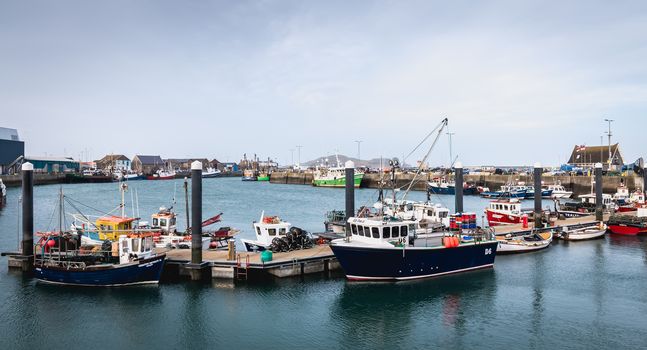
[[147, 164], [49, 165], [11, 148], [114, 162], [586, 156]]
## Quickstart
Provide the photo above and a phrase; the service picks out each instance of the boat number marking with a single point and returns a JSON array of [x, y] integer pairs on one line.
[[488, 251]]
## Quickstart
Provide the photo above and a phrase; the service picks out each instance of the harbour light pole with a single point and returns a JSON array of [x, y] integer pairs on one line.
[[292, 159], [609, 133], [299, 156], [358, 148]]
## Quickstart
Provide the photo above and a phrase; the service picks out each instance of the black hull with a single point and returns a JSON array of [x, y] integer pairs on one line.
[[365, 263]]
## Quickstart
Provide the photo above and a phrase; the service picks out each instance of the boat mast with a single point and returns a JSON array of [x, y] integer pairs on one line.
[[123, 186], [60, 221], [186, 202], [440, 129]]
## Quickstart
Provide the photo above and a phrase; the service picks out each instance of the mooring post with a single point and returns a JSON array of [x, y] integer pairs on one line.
[[537, 177], [458, 187], [196, 212], [28, 212], [598, 192], [350, 193]]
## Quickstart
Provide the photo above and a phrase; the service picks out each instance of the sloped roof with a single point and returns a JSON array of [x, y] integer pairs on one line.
[[593, 154], [113, 157], [150, 160], [9, 134]]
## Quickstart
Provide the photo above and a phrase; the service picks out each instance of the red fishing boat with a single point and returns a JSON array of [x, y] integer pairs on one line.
[[627, 225], [162, 175], [504, 212]]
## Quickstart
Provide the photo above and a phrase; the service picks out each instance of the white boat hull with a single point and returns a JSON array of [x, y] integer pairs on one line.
[[513, 246], [581, 235]]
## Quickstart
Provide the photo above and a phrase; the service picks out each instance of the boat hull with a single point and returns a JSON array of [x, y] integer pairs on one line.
[[250, 178], [582, 236], [263, 178], [143, 272], [500, 194], [252, 246], [622, 229], [384, 264], [169, 177], [497, 219], [510, 248], [451, 190], [337, 182]]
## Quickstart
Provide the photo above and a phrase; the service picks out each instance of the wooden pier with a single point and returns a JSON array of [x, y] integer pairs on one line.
[[319, 259]]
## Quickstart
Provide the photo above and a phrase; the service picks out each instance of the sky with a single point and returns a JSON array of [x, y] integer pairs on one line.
[[520, 81]]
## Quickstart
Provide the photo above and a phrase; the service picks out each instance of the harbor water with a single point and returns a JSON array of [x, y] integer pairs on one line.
[[576, 295]]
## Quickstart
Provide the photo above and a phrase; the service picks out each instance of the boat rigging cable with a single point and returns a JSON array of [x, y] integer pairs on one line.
[[440, 128]]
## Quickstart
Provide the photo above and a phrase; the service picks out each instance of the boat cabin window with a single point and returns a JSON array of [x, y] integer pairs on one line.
[[505, 207], [353, 228], [387, 232], [271, 231], [135, 244], [403, 231], [442, 214], [258, 231], [148, 245], [282, 231], [395, 231], [155, 222], [124, 246], [376, 232], [173, 221], [163, 222], [363, 231]]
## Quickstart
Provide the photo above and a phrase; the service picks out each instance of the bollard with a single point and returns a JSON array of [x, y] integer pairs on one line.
[[196, 212], [537, 177], [231, 249], [524, 221], [458, 187], [27, 209], [598, 192], [350, 193]]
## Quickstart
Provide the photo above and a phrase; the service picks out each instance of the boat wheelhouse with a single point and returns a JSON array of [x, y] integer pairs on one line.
[[504, 212], [266, 229], [249, 175], [111, 227], [165, 221], [558, 191]]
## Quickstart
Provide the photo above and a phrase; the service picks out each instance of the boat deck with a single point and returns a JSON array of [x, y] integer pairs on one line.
[[518, 228], [320, 258]]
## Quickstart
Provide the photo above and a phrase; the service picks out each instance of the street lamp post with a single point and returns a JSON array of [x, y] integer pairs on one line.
[[292, 157], [358, 148], [299, 156], [609, 133]]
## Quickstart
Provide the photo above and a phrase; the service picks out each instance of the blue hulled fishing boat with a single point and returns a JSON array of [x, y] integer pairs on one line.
[[129, 261]]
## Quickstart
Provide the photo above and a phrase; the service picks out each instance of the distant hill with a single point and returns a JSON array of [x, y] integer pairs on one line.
[[332, 161]]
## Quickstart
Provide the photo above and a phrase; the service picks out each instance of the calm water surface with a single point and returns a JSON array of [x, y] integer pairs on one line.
[[583, 295]]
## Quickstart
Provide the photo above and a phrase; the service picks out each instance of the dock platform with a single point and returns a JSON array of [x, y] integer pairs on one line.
[[319, 259]]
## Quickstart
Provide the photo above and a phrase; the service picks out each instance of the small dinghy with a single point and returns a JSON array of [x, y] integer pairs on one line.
[[582, 232], [510, 244]]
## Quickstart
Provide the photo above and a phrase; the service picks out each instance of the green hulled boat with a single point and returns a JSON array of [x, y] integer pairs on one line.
[[335, 177], [263, 176]]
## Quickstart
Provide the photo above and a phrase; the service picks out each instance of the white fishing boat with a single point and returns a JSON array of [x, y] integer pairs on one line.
[[210, 172], [335, 176], [432, 220], [558, 191], [582, 232], [510, 244], [3, 194], [266, 229]]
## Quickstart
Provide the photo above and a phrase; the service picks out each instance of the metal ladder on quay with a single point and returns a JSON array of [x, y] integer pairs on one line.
[[242, 267]]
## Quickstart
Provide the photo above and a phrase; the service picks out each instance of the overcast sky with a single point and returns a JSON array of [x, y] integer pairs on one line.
[[519, 81]]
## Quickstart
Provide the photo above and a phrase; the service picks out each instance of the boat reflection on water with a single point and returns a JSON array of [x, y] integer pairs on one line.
[[390, 315]]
